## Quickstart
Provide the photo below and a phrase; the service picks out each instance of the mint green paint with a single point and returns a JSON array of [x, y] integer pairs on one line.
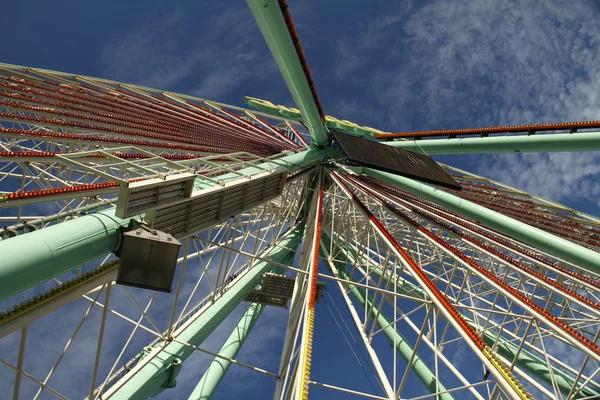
[[217, 369], [293, 114], [394, 336], [534, 365], [402, 346], [267, 15], [153, 377], [585, 141], [303, 158], [32, 258], [544, 241], [526, 360], [219, 366], [35, 257]]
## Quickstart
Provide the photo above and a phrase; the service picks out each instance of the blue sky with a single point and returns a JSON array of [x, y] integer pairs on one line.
[[397, 66]]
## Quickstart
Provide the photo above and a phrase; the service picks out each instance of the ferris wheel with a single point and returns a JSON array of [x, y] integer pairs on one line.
[[142, 228]]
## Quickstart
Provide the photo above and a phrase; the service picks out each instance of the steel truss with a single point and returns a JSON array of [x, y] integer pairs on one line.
[[216, 258], [521, 309], [469, 312]]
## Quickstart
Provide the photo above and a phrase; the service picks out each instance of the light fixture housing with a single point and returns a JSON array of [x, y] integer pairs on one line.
[[215, 204], [148, 259], [139, 197]]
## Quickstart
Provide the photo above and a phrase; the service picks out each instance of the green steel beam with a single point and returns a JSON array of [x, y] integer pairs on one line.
[[526, 360], [545, 241], [211, 379], [535, 365], [585, 141], [219, 366], [394, 336], [217, 369], [156, 375], [305, 158], [402, 346], [406, 287], [270, 20], [32, 258], [293, 114], [35, 257]]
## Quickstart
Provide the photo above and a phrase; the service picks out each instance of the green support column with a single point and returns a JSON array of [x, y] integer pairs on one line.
[[273, 28], [394, 336], [406, 287], [304, 158], [535, 365], [585, 141], [526, 360], [402, 346], [32, 258], [156, 375], [545, 241], [219, 366]]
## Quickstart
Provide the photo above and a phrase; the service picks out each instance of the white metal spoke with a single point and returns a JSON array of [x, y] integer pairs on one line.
[[466, 311]]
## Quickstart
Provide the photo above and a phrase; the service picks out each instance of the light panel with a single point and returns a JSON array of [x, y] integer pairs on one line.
[[140, 197], [216, 204]]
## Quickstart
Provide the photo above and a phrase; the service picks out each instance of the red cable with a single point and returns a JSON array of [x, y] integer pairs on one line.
[[496, 129], [287, 16]]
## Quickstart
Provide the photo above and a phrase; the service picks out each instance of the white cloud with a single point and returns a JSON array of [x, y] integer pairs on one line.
[[147, 53], [524, 60], [208, 59], [557, 176], [488, 63]]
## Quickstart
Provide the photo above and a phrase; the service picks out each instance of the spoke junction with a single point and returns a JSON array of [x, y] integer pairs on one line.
[[440, 283]]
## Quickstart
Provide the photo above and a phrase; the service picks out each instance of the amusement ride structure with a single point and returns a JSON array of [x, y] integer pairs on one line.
[[116, 196]]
